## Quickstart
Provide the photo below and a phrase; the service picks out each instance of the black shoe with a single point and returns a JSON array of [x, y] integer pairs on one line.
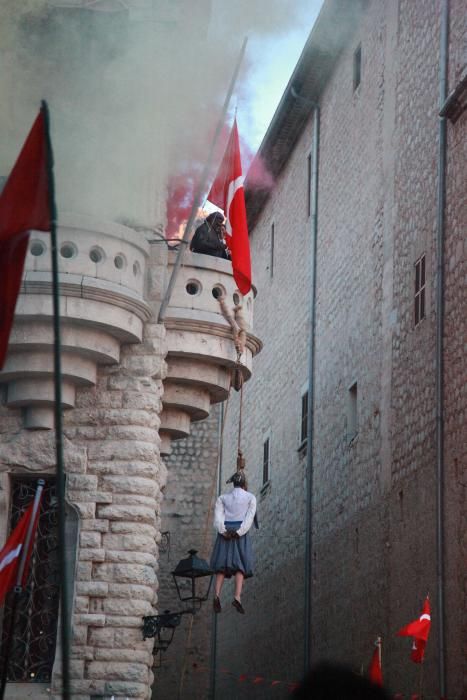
[[238, 606], [216, 604]]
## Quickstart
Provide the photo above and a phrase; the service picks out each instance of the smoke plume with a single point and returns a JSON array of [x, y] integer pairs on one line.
[[135, 91]]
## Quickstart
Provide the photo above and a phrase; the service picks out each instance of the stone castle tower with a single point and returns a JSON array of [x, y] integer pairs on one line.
[[130, 385]]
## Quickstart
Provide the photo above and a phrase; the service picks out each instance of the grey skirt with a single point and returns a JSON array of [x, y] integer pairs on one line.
[[230, 556]]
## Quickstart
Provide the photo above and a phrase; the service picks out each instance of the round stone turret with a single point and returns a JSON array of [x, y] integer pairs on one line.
[[101, 275]]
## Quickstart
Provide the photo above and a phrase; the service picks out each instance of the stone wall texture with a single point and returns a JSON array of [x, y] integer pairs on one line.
[[374, 497], [114, 480], [183, 671]]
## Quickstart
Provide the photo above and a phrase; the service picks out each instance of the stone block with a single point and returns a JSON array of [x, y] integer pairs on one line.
[[118, 526], [128, 590], [144, 365], [79, 634], [76, 668], [90, 620], [124, 606], [125, 573], [85, 510], [81, 604], [92, 588], [82, 652], [89, 554], [83, 571], [94, 525], [125, 671], [134, 542], [134, 499], [131, 484], [130, 557], [82, 482], [127, 689], [90, 539], [126, 621], [138, 655], [136, 513], [101, 637], [133, 466], [125, 449]]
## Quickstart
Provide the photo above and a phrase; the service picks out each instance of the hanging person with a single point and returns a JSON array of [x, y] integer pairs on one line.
[[233, 553]]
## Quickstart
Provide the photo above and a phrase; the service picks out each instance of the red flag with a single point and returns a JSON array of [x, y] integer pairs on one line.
[[375, 673], [227, 193], [419, 630], [24, 205], [10, 555]]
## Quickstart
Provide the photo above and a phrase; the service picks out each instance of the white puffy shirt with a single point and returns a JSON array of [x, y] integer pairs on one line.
[[236, 505]]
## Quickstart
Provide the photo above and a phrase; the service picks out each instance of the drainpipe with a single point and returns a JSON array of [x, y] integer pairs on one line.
[[311, 372], [213, 652], [440, 233]]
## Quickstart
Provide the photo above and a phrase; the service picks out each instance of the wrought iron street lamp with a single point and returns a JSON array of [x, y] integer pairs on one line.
[[192, 568], [162, 627]]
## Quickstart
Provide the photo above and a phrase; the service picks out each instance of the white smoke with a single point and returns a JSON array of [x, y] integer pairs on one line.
[[135, 89]]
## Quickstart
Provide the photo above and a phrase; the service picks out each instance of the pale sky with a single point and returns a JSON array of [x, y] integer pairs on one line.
[[273, 61]]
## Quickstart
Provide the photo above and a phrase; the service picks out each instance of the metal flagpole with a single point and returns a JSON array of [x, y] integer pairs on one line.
[[64, 585], [18, 589], [200, 190]]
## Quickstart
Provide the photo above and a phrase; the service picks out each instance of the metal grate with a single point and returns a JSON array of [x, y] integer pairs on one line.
[[35, 631]]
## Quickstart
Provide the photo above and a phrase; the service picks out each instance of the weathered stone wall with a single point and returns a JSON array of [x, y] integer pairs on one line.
[[114, 477], [187, 524], [374, 501], [268, 640], [114, 480], [455, 389]]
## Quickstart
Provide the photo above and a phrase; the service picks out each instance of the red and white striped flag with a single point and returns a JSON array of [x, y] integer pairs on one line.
[[227, 193], [13, 553], [419, 631]]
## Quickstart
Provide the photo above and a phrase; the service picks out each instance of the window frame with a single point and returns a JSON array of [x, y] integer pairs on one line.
[[352, 412], [419, 290], [266, 463], [357, 67]]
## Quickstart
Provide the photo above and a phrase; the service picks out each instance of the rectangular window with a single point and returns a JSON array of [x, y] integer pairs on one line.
[[352, 412], [266, 457], [32, 646], [304, 419], [308, 180], [357, 67], [271, 263], [420, 283]]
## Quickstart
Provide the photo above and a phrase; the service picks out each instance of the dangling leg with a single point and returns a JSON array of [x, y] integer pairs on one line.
[[239, 578], [216, 603], [219, 583]]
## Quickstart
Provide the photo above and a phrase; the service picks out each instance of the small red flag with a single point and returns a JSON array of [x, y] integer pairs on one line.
[[375, 673], [24, 205], [419, 630], [10, 555], [227, 193]]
